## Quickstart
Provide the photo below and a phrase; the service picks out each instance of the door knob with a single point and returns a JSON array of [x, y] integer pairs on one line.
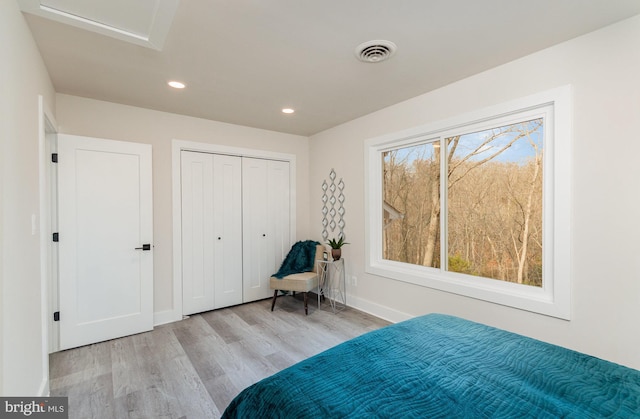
[[144, 247]]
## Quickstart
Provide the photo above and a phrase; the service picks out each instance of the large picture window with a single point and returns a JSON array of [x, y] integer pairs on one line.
[[471, 205]]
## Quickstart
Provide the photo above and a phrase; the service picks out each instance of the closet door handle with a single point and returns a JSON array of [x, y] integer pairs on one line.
[[144, 247], [264, 235], [219, 238]]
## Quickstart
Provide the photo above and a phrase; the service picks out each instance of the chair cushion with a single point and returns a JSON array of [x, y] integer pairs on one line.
[[301, 282]]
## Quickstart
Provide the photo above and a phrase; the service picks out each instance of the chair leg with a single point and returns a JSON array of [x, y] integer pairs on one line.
[[306, 307], [273, 303]]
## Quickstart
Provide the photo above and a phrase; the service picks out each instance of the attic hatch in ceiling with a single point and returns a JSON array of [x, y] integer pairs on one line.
[[141, 22]]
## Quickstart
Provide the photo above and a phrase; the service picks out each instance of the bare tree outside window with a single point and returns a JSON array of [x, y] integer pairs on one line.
[[493, 208], [412, 189]]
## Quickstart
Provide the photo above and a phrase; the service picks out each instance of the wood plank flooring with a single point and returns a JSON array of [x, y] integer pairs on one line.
[[193, 368]]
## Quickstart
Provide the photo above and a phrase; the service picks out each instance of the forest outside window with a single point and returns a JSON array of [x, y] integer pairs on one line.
[[493, 201], [472, 205]]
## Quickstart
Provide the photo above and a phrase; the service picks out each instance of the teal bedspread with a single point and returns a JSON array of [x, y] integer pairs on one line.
[[438, 366]]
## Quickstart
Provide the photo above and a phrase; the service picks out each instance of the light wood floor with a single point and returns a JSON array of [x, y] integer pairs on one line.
[[193, 368]]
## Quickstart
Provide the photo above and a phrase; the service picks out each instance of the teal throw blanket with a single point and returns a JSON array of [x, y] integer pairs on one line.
[[301, 258]]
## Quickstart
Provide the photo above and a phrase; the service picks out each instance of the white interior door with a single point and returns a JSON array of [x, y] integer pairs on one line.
[[211, 231], [105, 219]]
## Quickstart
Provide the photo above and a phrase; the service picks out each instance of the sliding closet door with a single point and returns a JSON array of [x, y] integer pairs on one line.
[[211, 231], [266, 232]]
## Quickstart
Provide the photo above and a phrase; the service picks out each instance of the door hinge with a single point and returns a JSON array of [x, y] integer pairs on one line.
[[54, 157], [56, 237], [56, 316]]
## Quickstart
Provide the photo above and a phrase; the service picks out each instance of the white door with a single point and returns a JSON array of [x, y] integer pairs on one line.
[[197, 232], [266, 230], [227, 230], [278, 214], [105, 243], [211, 231]]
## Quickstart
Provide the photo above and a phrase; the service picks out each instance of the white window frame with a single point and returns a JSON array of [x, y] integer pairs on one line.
[[554, 297]]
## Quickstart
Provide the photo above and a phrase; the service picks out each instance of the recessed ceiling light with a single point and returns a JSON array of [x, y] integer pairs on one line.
[[288, 110], [176, 84]]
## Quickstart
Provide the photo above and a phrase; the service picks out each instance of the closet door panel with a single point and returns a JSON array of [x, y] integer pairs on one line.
[[235, 228], [255, 229], [227, 220], [197, 232], [266, 215], [278, 213], [211, 231]]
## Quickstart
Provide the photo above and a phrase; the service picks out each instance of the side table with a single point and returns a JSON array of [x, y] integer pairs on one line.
[[331, 283]]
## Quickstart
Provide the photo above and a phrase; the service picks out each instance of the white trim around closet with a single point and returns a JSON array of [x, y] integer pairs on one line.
[[177, 146]]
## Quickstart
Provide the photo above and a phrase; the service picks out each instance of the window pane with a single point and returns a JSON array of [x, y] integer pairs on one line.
[[411, 205], [494, 206]]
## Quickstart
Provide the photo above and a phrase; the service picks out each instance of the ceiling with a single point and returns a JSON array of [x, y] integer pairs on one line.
[[245, 60]]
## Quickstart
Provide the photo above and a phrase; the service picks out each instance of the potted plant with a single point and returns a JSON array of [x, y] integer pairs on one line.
[[336, 247]]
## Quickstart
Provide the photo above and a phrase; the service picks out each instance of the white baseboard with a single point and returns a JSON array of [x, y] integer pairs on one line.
[[386, 313], [164, 317]]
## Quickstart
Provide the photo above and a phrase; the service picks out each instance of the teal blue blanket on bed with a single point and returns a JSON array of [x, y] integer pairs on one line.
[[438, 366]]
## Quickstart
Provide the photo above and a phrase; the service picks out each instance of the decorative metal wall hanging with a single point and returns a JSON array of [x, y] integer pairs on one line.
[[333, 207]]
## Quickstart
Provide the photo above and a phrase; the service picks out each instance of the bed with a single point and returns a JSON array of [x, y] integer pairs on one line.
[[443, 366]]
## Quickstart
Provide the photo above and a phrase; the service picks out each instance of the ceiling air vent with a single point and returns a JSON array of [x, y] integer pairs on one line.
[[375, 51]]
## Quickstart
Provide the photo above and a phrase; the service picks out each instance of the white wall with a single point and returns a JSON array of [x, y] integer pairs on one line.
[[80, 116], [603, 68], [24, 370]]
